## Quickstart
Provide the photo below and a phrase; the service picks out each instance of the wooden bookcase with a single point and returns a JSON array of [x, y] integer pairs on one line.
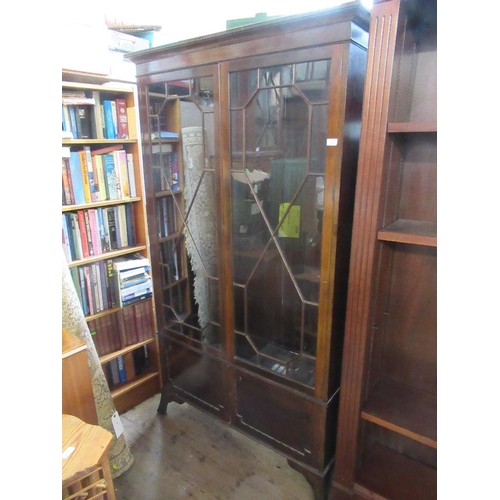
[[251, 305], [125, 334], [387, 432]]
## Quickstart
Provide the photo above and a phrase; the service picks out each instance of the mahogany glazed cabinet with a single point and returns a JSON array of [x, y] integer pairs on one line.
[[250, 144], [387, 431]]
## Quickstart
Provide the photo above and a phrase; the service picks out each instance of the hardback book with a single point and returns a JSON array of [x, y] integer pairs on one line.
[[90, 173], [99, 177], [65, 239], [96, 118], [83, 232], [83, 289], [130, 218], [115, 119], [94, 231], [108, 119], [83, 113], [76, 178], [113, 241], [131, 175], [85, 176], [89, 232], [122, 225], [112, 279], [121, 158], [136, 298], [121, 369], [66, 179], [118, 173], [110, 171], [115, 377], [75, 228], [122, 117]]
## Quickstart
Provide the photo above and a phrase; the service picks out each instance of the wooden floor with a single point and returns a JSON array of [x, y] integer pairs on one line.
[[187, 454]]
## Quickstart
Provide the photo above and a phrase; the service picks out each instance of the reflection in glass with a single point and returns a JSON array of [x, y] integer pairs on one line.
[[278, 165], [182, 152]]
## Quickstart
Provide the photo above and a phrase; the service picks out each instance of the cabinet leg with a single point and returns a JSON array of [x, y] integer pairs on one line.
[[167, 396], [317, 480]]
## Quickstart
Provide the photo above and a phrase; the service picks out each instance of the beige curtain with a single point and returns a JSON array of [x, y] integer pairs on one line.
[[73, 320]]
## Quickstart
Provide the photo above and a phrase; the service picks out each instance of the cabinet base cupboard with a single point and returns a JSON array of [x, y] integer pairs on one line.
[[250, 148]]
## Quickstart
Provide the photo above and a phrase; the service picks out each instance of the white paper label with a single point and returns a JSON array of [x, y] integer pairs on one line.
[[332, 141], [117, 424], [68, 451]]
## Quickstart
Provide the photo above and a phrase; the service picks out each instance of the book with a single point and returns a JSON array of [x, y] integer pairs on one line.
[[115, 377], [89, 287], [164, 134], [115, 119], [76, 178], [109, 127], [89, 233], [122, 118], [104, 237], [84, 291], [175, 186], [110, 172], [97, 124], [75, 229], [66, 179], [99, 178], [132, 261], [113, 241], [136, 298], [121, 369], [90, 173], [131, 175], [73, 122], [85, 176], [65, 239], [122, 225], [83, 233], [130, 219], [94, 231], [83, 114], [121, 161]]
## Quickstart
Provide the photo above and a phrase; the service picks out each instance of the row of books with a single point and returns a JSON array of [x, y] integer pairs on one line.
[[97, 175], [166, 216], [99, 288], [128, 326], [126, 367], [165, 171], [95, 231], [86, 115]]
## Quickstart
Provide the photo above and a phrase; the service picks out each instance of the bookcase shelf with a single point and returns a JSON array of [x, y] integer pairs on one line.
[[411, 232], [411, 127], [103, 225]]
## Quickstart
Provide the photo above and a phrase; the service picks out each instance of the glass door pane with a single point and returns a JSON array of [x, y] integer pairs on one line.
[[279, 118]]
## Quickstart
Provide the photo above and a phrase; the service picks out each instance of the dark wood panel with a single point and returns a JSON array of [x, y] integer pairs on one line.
[[391, 475], [403, 409]]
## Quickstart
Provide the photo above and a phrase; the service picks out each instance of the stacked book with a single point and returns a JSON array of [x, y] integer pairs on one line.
[[133, 279]]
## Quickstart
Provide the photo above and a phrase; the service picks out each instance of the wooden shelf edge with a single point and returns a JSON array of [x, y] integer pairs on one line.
[[129, 386], [132, 347], [107, 255], [104, 203], [411, 480], [411, 232], [90, 142], [411, 127], [404, 410]]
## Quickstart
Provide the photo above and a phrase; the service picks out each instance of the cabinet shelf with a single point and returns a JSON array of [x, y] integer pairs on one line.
[[90, 142], [404, 410], [106, 203], [108, 357], [411, 127], [136, 382], [107, 255], [410, 479], [410, 231]]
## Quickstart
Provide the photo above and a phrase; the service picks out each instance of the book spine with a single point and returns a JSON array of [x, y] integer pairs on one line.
[[118, 175], [122, 118], [114, 117], [85, 176], [83, 112], [108, 120], [113, 241], [94, 231], [66, 181], [122, 224], [76, 178], [65, 239], [121, 369], [89, 233], [75, 228], [84, 291], [102, 230], [131, 175], [130, 216], [103, 194], [124, 181], [83, 233], [89, 286], [112, 283], [110, 172]]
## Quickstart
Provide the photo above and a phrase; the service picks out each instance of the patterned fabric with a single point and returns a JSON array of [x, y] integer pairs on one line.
[[73, 320]]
